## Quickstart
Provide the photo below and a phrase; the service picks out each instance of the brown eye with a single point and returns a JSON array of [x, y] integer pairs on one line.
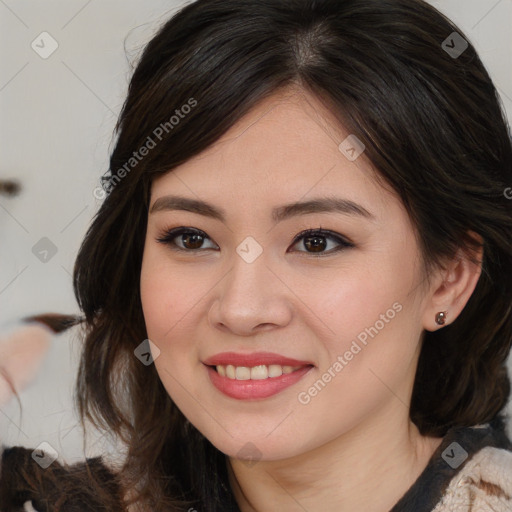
[[185, 239], [192, 241], [317, 241]]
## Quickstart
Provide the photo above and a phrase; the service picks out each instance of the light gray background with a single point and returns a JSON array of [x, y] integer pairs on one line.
[[56, 124]]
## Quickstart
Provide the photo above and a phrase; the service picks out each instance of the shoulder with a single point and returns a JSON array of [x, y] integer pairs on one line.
[[484, 484], [481, 464], [471, 471]]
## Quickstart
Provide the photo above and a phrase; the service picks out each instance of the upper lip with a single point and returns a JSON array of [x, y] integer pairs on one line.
[[254, 359]]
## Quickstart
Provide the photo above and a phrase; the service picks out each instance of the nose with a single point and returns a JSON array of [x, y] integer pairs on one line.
[[251, 298]]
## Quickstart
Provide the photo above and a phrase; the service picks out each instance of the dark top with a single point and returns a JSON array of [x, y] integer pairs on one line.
[[426, 492], [66, 489]]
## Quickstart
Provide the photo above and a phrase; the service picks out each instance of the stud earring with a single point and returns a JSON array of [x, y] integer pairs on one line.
[[441, 318]]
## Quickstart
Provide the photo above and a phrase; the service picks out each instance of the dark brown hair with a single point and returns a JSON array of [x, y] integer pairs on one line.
[[84, 487], [434, 129]]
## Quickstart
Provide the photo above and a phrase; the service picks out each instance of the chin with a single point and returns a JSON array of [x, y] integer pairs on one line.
[[254, 446]]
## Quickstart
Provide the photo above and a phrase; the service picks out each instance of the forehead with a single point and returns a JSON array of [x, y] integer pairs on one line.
[[285, 149]]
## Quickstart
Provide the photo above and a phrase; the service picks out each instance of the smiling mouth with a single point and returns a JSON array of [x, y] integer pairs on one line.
[[260, 372]]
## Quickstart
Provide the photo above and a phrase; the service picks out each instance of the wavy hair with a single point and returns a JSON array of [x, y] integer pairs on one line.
[[435, 131]]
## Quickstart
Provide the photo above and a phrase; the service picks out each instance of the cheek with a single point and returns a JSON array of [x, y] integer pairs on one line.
[[168, 294], [171, 296], [155, 296], [370, 314], [369, 349], [354, 298]]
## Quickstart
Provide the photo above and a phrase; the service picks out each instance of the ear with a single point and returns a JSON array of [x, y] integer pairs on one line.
[[453, 286]]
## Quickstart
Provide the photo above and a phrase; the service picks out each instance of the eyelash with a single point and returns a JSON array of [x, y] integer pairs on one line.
[[168, 236]]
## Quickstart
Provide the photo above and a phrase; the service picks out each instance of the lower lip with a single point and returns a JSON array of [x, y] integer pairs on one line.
[[255, 389]]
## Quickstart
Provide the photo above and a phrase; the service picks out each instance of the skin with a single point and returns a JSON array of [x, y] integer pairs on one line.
[[352, 447]]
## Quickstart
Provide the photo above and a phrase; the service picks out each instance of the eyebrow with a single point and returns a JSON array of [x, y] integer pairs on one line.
[[279, 214]]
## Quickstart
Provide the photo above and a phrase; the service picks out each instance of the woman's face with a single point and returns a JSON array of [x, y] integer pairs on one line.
[[315, 335]]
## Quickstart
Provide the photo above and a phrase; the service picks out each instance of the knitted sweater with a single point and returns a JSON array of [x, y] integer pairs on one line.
[[471, 471]]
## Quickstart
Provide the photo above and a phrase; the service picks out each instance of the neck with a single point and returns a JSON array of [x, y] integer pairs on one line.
[[367, 468]]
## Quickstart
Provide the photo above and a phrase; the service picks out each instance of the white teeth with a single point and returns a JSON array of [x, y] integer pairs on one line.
[[260, 372], [243, 373], [275, 370], [230, 371]]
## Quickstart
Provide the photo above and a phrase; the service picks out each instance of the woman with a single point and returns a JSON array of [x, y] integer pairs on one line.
[[297, 290]]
